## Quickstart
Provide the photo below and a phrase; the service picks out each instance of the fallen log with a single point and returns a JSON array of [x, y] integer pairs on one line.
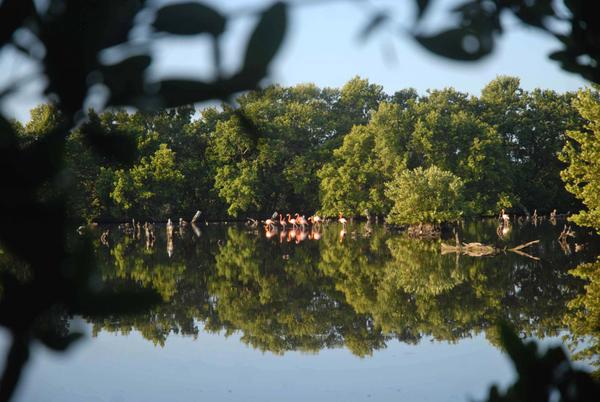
[[484, 250], [474, 249]]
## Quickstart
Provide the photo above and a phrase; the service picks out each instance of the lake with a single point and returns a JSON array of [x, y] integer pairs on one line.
[[366, 315]]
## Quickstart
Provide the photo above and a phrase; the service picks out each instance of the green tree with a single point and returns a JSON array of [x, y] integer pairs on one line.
[[532, 126], [425, 196], [42, 119], [583, 315], [449, 134], [358, 99], [151, 187], [237, 176], [353, 180], [299, 127], [582, 154]]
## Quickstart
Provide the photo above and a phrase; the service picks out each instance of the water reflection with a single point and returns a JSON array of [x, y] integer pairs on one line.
[[357, 286]]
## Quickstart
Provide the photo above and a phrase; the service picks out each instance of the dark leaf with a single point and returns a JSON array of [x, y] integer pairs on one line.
[[58, 342], [125, 80], [373, 24], [574, 6], [18, 355], [189, 19], [109, 303], [458, 44], [467, 7], [110, 21], [248, 126], [560, 55], [108, 142], [41, 160], [421, 7], [184, 92], [512, 344], [12, 15], [181, 92], [115, 147], [534, 14], [8, 137], [266, 39]]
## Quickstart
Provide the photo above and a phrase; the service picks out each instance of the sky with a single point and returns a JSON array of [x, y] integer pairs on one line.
[[322, 47]]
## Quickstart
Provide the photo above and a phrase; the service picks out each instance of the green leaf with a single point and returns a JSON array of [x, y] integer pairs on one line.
[[189, 19], [266, 39], [458, 44]]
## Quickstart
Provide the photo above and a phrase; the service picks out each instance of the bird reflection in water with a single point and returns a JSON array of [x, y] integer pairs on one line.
[[291, 235], [300, 236], [270, 232]]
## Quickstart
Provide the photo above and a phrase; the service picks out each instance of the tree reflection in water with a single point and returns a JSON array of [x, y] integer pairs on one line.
[[360, 293]]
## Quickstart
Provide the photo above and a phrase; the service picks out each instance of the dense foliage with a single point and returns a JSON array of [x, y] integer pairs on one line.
[[425, 196], [582, 153], [306, 149]]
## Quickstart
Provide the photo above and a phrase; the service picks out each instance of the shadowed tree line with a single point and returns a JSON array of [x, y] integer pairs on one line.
[[65, 40]]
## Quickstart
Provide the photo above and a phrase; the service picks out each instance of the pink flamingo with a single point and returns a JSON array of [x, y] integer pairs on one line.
[[292, 220], [300, 220], [343, 221], [269, 224], [316, 219]]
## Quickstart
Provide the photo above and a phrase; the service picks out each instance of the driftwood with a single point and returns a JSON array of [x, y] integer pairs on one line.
[[196, 229], [472, 249], [196, 216], [484, 250], [566, 233]]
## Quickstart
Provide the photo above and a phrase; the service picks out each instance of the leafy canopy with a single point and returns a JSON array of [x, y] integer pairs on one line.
[[429, 195], [582, 153]]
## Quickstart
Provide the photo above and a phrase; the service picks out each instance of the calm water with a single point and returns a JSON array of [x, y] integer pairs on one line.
[[370, 316]]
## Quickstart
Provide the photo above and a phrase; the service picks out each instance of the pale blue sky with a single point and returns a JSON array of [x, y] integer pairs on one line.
[[322, 47]]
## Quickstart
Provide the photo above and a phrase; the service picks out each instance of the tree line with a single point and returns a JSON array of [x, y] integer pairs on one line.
[[356, 150]]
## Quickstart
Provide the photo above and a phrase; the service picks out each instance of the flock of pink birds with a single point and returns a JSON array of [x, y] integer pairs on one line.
[[295, 227]]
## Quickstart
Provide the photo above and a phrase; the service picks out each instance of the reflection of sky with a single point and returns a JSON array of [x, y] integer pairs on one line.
[[214, 368]]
